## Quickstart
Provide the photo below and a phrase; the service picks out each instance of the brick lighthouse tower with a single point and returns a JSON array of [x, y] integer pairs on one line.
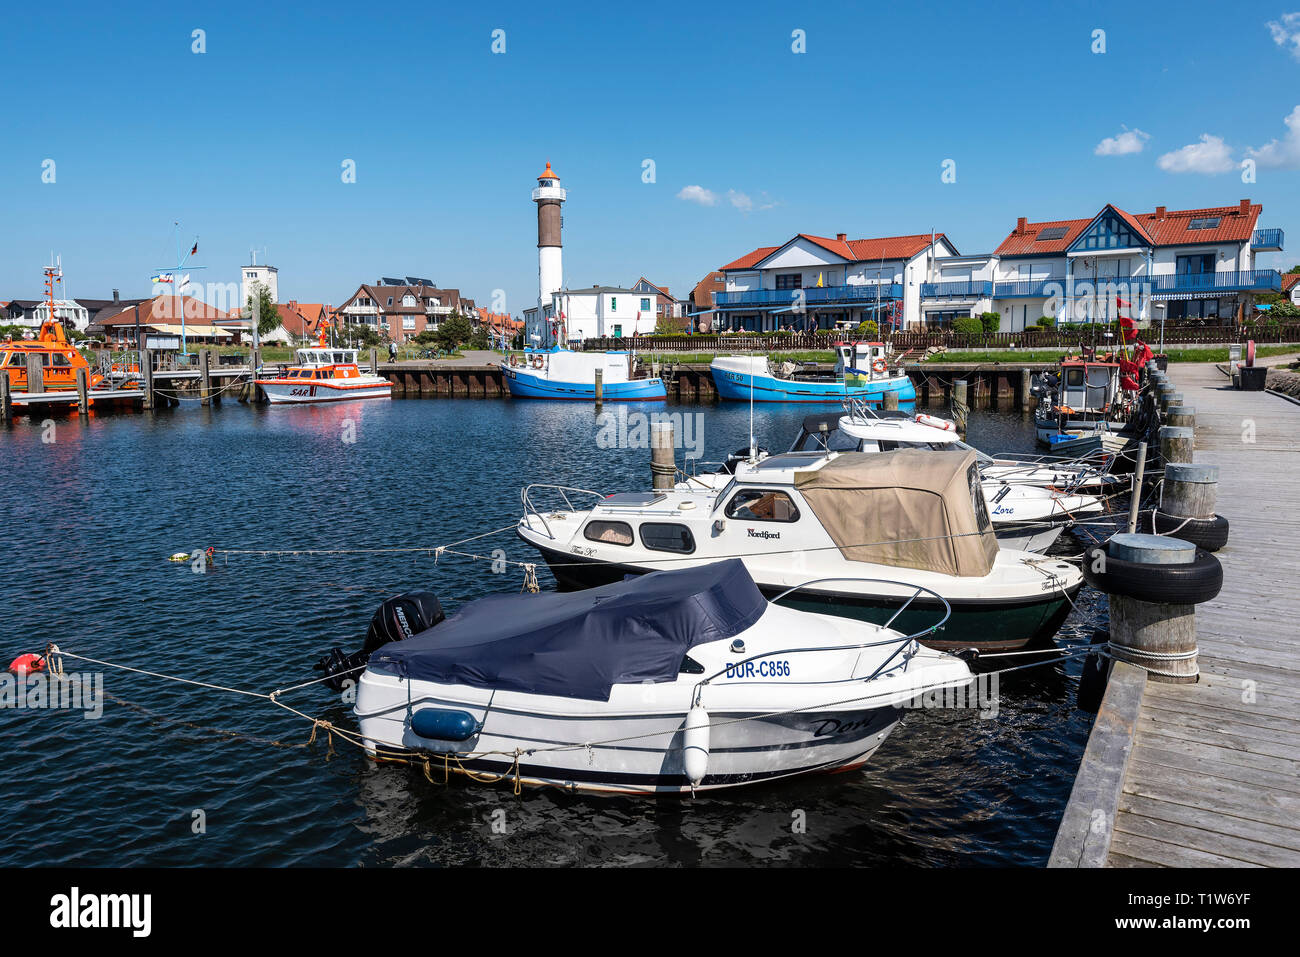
[[549, 197]]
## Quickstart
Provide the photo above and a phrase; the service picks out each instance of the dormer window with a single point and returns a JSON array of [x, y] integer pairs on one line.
[[408, 300]]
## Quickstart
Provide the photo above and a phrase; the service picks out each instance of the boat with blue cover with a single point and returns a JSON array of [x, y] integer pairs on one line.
[[861, 373], [558, 373], [668, 683]]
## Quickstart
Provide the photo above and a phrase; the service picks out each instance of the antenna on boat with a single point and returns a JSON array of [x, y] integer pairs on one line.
[[753, 453]]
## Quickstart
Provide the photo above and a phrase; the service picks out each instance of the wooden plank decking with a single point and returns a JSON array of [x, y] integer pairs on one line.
[[1213, 776]]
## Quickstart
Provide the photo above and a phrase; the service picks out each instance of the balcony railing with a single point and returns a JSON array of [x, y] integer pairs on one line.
[[812, 296], [1268, 240], [1027, 288], [1247, 280], [968, 289]]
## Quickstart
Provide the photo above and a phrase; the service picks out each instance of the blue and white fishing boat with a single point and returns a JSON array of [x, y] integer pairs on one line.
[[861, 372], [563, 374]]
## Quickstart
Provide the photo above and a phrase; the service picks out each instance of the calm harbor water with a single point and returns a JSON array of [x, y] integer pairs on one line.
[[96, 511]]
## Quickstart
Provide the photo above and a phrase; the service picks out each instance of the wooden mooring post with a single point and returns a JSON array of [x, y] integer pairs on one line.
[[1158, 637], [6, 398], [600, 388], [890, 400], [35, 374], [1183, 416], [960, 405], [83, 391], [146, 370], [1026, 391], [663, 461], [205, 377], [1176, 443]]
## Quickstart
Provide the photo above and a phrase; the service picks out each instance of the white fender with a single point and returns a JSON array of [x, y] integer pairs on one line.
[[934, 422], [695, 744]]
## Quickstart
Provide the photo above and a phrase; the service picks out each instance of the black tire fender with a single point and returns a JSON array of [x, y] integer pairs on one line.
[[1210, 534], [1198, 581]]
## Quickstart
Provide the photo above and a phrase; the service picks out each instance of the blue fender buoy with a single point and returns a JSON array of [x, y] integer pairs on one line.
[[441, 724]]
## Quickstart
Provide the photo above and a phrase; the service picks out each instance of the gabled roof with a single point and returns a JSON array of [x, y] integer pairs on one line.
[[660, 290], [380, 294], [167, 309], [302, 318], [702, 294], [850, 250], [1024, 241], [1289, 280], [1161, 227]]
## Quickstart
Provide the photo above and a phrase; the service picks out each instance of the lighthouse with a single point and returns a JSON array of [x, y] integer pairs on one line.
[[549, 197]]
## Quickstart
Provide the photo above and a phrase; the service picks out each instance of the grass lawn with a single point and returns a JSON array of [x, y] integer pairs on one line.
[[1189, 354]]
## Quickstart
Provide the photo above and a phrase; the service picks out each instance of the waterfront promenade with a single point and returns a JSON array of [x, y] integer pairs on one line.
[[1208, 774]]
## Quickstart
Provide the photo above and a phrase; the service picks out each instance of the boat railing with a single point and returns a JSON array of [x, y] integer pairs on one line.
[[563, 491], [902, 641]]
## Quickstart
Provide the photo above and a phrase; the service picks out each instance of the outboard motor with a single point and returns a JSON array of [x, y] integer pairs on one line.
[[398, 618]]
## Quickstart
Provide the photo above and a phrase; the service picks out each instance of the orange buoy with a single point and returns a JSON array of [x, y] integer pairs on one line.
[[27, 664]]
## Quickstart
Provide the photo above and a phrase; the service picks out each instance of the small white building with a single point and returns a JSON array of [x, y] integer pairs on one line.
[[249, 276], [599, 312], [68, 311]]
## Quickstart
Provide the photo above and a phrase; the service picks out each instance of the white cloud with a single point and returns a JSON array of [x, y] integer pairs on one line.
[[740, 200], [1286, 33], [1130, 141], [1283, 153], [698, 194], [1210, 155]]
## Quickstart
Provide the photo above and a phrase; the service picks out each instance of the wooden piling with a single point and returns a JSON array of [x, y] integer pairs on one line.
[[663, 461], [890, 400], [146, 370], [35, 374], [83, 390], [6, 398], [374, 361], [1026, 391], [1175, 443], [1135, 492], [1189, 491], [960, 405], [205, 378], [600, 388], [1158, 637], [1183, 416]]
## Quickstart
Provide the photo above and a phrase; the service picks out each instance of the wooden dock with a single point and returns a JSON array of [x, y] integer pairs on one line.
[[1208, 774]]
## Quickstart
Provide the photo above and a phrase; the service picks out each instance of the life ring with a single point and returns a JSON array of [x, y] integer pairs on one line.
[[537, 362], [934, 422], [514, 361], [880, 365]]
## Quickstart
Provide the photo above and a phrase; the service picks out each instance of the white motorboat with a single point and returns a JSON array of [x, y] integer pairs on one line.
[[673, 682], [916, 514], [324, 373], [1030, 504]]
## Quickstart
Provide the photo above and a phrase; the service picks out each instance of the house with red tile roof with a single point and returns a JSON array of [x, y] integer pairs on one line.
[[498, 325], [1291, 286], [167, 316], [815, 282], [1180, 265], [402, 310]]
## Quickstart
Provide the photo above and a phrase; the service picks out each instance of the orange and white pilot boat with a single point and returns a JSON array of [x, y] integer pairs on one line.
[[325, 373], [59, 360]]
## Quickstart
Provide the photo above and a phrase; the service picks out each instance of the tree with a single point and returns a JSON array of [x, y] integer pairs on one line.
[[479, 340], [991, 321], [968, 326], [261, 309], [360, 333], [868, 328], [454, 330]]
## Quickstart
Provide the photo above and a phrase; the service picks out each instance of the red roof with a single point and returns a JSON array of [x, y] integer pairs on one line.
[[168, 309], [1162, 227], [1289, 280], [853, 250], [301, 318]]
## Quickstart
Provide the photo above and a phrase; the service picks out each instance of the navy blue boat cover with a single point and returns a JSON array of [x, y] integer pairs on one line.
[[580, 644]]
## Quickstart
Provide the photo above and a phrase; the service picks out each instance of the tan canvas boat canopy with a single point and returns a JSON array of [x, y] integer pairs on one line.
[[912, 508]]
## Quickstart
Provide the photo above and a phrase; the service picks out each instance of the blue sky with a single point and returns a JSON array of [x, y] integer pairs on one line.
[[243, 144]]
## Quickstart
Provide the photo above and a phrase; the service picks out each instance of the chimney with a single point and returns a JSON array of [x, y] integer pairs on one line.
[[115, 297], [1160, 212], [1245, 207], [1020, 226], [842, 237]]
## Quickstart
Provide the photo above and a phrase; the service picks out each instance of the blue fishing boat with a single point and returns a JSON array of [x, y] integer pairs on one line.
[[563, 374], [861, 372]]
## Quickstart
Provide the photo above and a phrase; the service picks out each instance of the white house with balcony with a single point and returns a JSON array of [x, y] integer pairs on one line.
[[1180, 265], [814, 282], [401, 310]]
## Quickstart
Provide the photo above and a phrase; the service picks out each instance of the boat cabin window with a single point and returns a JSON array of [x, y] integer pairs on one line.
[[829, 441], [667, 537], [1074, 377], [18, 359], [610, 533], [59, 359], [762, 505]]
